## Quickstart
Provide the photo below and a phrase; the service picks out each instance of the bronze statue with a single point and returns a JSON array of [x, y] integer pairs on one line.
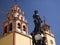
[[37, 21], [37, 30]]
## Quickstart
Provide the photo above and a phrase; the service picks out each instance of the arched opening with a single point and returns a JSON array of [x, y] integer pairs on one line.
[[24, 28], [10, 27], [5, 29], [22, 18], [19, 26]]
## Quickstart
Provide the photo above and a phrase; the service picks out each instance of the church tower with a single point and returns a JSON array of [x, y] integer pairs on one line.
[[15, 28], [15, 21], [49, 37]]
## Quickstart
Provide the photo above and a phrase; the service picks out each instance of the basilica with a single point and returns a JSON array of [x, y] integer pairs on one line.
[[15, 29]]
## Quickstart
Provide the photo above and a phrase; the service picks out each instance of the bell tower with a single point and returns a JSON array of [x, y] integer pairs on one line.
[[49, 37], [15, 21], [15, 28]]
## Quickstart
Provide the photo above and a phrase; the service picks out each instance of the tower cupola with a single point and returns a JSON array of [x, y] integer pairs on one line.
[[45, 26], [15, 21]]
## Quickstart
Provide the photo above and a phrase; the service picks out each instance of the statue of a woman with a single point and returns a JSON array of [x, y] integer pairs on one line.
[[37, 23]]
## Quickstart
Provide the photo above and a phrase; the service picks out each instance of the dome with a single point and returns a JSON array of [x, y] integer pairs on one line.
[[45, 26]]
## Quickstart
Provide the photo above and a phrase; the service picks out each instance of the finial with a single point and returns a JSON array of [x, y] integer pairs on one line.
[[44, 20]]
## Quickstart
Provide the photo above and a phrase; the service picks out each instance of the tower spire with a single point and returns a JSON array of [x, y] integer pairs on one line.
[[44, 20]]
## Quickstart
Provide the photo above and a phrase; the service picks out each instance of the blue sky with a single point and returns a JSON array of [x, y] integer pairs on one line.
[[48, 8]]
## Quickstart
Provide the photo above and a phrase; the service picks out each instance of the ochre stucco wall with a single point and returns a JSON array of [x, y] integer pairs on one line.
[[49, 37], [22, 40], [7, 40]]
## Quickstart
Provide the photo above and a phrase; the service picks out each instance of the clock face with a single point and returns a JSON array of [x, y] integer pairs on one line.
[[51, 41]]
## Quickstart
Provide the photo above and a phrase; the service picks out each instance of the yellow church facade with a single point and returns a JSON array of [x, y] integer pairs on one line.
[[15, 29], [16, 38]]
